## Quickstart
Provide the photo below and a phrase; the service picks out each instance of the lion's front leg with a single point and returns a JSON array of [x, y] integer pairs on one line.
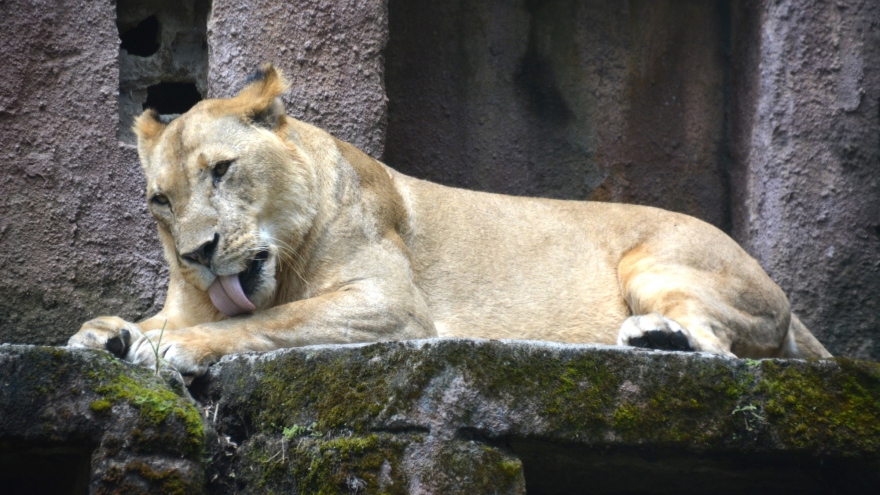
[[341, 317]]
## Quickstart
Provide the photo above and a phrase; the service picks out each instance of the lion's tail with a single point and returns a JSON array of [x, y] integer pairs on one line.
[[800, 343]]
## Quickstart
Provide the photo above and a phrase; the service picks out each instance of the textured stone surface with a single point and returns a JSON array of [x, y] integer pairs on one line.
[[617, 101], [75, 238], [332, 52], [806, 181], [72, 421], [459, 416]]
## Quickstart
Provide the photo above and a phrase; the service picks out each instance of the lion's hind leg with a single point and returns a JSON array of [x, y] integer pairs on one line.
[[681, 304]]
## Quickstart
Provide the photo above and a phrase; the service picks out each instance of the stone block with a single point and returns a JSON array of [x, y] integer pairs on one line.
[[441, 416], [464, 416]]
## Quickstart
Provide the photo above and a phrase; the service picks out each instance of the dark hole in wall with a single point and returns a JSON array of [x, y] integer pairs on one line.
[[172, 97], [143, 39], [44, 470]]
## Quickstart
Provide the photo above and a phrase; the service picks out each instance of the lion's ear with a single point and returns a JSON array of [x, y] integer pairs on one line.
[[262, 97], [147, 126]]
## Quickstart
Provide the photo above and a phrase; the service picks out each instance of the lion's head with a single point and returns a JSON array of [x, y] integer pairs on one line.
[[228, 191]]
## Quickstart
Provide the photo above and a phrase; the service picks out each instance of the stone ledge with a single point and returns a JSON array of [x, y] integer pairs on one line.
[[470, 416], [450, 416]]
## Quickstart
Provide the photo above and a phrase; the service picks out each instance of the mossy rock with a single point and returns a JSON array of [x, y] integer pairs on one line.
[[131, 431]]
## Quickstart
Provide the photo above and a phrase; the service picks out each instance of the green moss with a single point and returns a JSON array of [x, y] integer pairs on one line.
[[474, 468], [689, 407], [149, 394], [330, 466], [351, 390], [835, 409], [100, 405]]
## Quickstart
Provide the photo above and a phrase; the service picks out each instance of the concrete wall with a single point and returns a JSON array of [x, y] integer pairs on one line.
[[331, 50], [759, 117]]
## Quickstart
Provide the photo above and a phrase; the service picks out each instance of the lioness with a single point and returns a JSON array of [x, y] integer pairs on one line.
[[279, 235]]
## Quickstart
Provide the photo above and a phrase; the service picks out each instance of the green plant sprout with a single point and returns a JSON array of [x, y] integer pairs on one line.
[[157, 346]]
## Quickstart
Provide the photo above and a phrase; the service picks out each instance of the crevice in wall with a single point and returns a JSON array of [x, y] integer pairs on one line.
[[141, 40], [553, 469], [163, 58]]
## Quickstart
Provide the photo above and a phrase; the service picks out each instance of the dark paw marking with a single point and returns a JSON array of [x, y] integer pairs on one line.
[[658, 339], [118, 344]]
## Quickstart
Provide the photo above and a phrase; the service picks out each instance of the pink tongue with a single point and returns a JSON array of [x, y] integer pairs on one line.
[[228, 296]]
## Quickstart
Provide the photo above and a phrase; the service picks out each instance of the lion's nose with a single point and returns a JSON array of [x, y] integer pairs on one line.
[[204, 253]]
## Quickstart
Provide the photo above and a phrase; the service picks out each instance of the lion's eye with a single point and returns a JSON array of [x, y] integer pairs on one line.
[[161, 200], [220, 169]]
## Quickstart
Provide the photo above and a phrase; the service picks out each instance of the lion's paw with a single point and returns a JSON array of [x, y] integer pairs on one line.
[[185, 350], [110, 333], [654, 331]]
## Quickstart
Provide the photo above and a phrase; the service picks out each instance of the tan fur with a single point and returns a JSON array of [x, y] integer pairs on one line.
[[359, 253]]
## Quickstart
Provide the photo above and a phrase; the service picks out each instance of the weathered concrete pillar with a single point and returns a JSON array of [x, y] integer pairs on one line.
[[805, 86], [75, 237], [330, 50]]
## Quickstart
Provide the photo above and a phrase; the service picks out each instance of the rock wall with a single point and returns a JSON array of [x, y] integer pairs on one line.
[[75, 237], [759, 117], [805, 139]]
